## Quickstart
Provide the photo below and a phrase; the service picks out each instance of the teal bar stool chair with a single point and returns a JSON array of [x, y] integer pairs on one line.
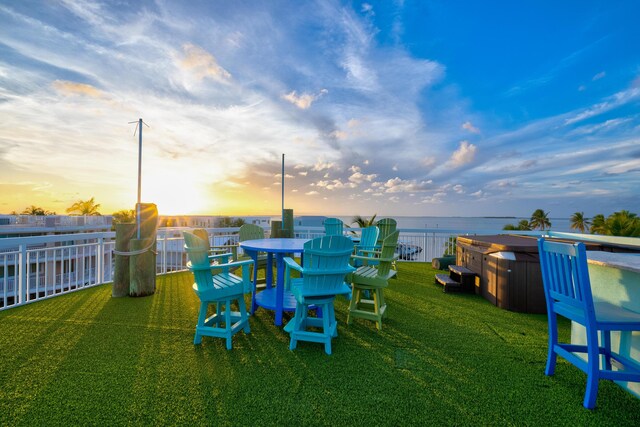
[[567, 289], [216, 285], [325, 265], [369, 281], [367, 245], [333, 227]]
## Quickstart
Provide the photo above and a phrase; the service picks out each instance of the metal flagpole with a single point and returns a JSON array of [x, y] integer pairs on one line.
[[283, 191], [139, 174], [139, 130]]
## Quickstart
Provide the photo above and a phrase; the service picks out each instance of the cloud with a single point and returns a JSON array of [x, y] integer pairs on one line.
[[612, 102], [397, 185], [598, 76], [465, 154], [202, 64], [304, 100], [358, 177], [311, 193], [72, 88], [468, 126]]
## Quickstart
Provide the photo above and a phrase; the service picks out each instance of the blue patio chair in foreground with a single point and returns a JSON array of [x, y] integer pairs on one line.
[[373, 279], [567, 289], [333, 227], [325, 265], [215, 284], [367, 245]]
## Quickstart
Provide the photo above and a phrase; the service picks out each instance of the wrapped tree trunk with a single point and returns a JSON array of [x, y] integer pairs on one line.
[[288, 223], [142, 267], [121, 282]]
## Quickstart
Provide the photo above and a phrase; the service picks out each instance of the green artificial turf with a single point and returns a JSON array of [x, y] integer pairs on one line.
[[441, 359]]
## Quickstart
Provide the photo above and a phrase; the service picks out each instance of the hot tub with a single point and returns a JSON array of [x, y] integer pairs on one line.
[[508, 268]]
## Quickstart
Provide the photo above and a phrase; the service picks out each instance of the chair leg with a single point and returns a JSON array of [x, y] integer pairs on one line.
[[376, 308], [227, 321], [297, 321], [326, 327], [202, 315], [553, 340], [606, 343], [593, 370], [355, 297], [243, 314]]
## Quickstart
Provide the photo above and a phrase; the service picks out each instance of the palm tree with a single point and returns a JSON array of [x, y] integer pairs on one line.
[[579, 222], [84, 207], [523, 225], [623, 223], [364, 222], [124, 216], [598, 225], [35, 210], [540, 219]]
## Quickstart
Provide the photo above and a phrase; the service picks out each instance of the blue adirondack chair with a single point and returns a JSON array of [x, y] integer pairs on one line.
[[325, 265], [333, 227], [367, 245], [567, 289], [215, 284], [372, 280]]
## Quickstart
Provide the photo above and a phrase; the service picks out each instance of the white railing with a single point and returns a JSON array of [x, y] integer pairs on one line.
[[33, 268]]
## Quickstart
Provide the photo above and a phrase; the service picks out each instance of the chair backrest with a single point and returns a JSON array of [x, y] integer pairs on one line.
[[198, 253], [369, 238], [325, 264], [387, 252], [565, 278], [204, 235], [333, 227], [386, 227], [251, 232]]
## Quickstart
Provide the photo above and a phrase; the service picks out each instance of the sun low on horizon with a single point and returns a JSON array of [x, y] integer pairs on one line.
[[408, 108]]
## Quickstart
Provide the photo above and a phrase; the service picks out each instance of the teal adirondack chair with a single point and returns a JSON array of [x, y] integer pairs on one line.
[[386, 226], [325, 265], [367, 244], [215, 284], [253, 232], [204, 235], [333, 227], [373, 279]]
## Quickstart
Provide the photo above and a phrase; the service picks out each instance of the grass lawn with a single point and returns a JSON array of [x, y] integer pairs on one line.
[[441, 359]]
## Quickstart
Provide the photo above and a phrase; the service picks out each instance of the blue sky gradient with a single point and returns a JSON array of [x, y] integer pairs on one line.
[[392, 107]]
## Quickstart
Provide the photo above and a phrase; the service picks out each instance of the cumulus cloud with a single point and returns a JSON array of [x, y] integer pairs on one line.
[[465, 154], [358, 177], [320, 166], [304, 100], [398, 185], [470, 127], [311, 193], [202, 64]]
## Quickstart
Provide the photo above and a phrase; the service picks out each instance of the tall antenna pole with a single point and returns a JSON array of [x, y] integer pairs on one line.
[[283, 191], [139, 130], [139, 174]]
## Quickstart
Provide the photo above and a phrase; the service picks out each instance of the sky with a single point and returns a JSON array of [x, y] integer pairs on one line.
[[417, 108]]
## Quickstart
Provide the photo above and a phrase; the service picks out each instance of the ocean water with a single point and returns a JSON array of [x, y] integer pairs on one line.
[[466, 223]]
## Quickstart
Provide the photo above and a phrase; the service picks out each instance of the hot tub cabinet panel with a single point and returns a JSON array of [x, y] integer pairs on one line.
[[513, 284], [508, 268]]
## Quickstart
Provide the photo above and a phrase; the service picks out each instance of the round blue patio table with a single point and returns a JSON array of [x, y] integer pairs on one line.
[[273, 298]]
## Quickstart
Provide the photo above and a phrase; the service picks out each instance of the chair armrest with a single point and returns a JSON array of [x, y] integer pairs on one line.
[[371, 251], [290, 264]]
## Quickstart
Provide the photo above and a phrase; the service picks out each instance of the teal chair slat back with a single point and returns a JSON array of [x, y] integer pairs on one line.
[[388, 251], [369, 238], [333, 227], [198, 253], [251, 232], [386, 227], [326, 262]]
